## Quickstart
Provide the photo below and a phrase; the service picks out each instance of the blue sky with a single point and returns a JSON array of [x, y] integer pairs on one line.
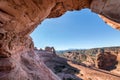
[[75, 30]]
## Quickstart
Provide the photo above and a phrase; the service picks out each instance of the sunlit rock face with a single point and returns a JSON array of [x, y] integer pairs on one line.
[[109, 9], [110, 22], [18, 60], [18, 18]]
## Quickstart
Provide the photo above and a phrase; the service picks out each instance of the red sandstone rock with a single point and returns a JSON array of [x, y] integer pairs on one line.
[[106, 61], [109, 9], [18, 18], [25, 66], [87, 73]]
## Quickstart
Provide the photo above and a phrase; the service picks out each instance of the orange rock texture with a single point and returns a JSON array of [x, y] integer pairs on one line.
[[18, 18]]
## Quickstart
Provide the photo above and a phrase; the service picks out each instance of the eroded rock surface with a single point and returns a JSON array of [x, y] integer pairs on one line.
[[109, 9], [58, 65], [101, 58], [25, 66], [106, 61], [90, 73], [18, 18], [68, 70], [18, 60]]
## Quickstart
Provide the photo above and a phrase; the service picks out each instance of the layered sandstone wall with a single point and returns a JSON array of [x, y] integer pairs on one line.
[[18, 18], [109, 9]]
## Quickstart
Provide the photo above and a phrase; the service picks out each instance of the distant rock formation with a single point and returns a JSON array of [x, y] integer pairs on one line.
[[102, 58], [89, 61], [68, 70], [50, 49], [106, 61]]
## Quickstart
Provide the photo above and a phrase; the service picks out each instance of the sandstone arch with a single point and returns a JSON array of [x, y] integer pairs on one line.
[[18, 18]]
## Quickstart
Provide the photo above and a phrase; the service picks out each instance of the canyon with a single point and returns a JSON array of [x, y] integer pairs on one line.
[[68, 69], [19, 18], [106, 58], [92, 55]]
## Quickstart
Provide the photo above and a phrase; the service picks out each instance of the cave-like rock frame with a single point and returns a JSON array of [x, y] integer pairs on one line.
[[18, 18]]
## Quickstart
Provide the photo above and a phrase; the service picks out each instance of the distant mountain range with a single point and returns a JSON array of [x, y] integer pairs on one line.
[[92, 50]]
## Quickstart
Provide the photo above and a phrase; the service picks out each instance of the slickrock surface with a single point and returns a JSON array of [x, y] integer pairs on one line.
[[89, 73], [25, 66], [58, 65]]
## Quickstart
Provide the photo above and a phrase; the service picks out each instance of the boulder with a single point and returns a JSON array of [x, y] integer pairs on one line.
[[106, 61]]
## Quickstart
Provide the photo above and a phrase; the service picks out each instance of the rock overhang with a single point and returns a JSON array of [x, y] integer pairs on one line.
[[18, 18]]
